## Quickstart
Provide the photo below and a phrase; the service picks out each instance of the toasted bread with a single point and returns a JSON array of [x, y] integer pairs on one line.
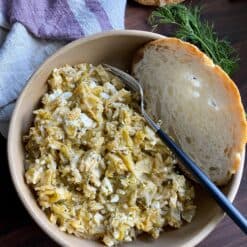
[[158, 2], [199, 104]]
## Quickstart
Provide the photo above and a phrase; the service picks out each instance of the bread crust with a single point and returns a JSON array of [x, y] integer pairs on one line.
[[228, 84], [158, 2]]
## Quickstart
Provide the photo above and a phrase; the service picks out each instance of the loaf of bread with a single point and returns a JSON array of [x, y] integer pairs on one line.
[[158, 2], [199, 104]]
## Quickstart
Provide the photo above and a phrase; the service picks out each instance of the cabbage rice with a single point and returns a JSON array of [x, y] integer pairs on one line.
[[96, 168]]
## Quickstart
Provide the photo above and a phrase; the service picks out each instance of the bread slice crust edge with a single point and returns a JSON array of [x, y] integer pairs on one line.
[[158, 2], [228, 83]]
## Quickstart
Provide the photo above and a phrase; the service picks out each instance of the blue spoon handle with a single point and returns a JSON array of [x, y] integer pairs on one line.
[[219, 197]]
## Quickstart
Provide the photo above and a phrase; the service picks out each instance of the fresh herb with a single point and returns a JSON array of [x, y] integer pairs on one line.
[[190, 28]]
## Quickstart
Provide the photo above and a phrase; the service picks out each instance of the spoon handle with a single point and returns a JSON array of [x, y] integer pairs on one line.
[[219, 197]]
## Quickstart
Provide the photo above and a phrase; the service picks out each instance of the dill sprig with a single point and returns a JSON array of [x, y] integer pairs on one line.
[[200, 33]]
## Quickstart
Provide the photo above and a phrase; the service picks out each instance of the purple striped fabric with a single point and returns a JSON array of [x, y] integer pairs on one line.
[[4, 7], [46, 19], [95, 7], [40, 27]]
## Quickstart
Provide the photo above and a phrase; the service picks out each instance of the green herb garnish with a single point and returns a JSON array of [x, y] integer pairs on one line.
[[197, 32]]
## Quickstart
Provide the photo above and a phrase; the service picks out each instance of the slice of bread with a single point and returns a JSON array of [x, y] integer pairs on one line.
[[199, 104], [158, 2]]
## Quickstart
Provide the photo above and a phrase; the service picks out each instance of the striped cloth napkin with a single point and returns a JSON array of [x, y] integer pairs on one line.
[[31, 30]]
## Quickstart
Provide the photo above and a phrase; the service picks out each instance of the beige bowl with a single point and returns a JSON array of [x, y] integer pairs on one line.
[[115, 48]]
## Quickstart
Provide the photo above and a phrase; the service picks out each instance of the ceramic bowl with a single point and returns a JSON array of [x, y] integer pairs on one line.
[[116, 48]]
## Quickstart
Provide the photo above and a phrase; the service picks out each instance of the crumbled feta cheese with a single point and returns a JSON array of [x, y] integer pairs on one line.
[[98, 218], [156, 205], [115, 198], [56, 93], [87, 121], [151, 135], [92, 84], [82, 121], [106, 186], [110, 88], [105, 95], [59, 93], [36, 175]]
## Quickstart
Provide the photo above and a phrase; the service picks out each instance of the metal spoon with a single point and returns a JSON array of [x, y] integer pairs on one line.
[[189, 164]]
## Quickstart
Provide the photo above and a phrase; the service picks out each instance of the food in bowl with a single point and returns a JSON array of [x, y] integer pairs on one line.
[[97, 170]]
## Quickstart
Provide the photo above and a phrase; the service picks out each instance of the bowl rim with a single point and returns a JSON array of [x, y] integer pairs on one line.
[[202, 234]]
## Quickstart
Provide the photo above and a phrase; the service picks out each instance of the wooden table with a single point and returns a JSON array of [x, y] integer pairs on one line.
[[230, 19]]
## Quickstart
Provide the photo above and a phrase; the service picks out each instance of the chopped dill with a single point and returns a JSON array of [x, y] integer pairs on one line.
[[191, 28]]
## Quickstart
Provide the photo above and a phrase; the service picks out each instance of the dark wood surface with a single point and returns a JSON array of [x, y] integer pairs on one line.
[[230, 20]]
